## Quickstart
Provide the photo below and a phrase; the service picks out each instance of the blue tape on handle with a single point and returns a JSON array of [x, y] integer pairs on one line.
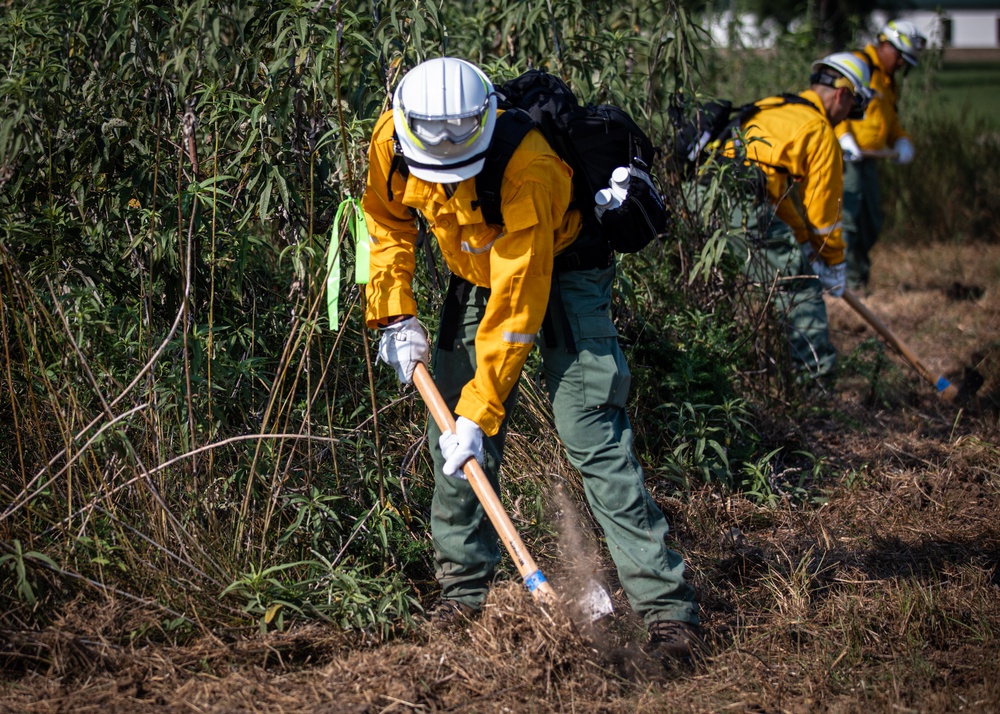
[[534, 580], [942, 384]]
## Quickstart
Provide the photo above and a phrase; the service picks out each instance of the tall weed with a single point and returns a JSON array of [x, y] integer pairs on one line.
[[951, 191], [179, 426]]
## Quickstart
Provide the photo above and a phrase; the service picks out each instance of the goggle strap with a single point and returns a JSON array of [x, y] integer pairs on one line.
[[479, 111], [455, 165], [829, 80]]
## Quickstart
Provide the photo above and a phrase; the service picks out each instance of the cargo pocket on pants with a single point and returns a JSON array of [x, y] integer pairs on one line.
[[606, 377]]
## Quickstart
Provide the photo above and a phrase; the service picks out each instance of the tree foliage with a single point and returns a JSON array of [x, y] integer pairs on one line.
[[178, 423]]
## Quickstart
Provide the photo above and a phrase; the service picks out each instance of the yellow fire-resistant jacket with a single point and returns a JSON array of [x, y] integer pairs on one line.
[[880, 127], [795, 145], [513, 260]]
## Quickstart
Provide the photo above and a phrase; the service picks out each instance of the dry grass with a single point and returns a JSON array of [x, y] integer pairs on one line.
[[885, 598]]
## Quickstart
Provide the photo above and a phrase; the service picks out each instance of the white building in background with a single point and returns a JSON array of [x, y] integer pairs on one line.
[[728, 29], [961, 24]]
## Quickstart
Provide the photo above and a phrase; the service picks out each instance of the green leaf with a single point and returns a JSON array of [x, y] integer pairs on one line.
[[265, 200]]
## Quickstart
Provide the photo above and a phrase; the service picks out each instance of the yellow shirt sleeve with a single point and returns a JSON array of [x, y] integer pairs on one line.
[[816, 158], [534, 207], [393, 231]]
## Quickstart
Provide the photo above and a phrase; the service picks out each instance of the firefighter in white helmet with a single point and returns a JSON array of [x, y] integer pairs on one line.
[[864, 142], [791, 239], [424, 157]]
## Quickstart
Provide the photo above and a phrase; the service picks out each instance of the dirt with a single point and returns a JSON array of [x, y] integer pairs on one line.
[[883, 595]]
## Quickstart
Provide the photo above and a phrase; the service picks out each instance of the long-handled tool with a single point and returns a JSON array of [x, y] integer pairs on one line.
[[533, 577], [594, 603], [880, 154], [972, 382]]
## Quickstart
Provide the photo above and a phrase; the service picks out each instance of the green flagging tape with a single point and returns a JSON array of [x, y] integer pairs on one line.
[[333, 268], [333, 279], [362, 246], [358, 228]]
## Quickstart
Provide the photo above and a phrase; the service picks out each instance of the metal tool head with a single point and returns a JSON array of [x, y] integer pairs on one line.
[[971, 383], [595, 602]]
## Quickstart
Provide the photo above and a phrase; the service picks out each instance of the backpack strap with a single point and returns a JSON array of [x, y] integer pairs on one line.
[[511, 128], [786, 99], [398, 164], [796, 99]]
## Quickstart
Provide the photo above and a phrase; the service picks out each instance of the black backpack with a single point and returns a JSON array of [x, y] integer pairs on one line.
[[593, 140], [699, 138]]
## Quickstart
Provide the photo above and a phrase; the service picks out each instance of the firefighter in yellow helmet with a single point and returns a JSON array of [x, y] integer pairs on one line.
[[898, 47], [792, 240], [505, 279]]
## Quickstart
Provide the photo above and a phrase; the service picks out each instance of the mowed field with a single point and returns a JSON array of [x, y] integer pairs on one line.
[[882, 595], [967, 89]]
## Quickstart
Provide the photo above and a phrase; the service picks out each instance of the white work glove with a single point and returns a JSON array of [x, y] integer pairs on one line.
[[460, 446], [402, 345], [852, 152], [904, 150], [833, 277]]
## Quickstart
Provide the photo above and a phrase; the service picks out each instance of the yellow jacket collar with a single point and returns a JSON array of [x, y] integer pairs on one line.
[[814, 99]]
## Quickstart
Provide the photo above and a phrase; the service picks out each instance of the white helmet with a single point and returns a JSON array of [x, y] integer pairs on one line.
[[845, 65], [905, 37], [444, 111]]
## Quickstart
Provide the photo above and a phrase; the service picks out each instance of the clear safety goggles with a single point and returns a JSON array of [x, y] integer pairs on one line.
[[857, 112], [861, 100], [460, 130]]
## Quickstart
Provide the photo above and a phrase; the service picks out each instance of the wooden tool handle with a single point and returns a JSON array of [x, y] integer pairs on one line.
[[880, 154], [533, 578], [946, 388]]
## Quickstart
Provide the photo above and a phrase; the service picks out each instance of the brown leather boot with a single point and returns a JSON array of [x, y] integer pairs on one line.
[[450, 613], [674, 640]]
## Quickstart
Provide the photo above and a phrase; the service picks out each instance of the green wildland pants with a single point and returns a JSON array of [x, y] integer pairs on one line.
[[770, 255], [862, 218], [588, 387]]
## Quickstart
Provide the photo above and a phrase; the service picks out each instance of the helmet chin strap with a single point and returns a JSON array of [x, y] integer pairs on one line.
[[413, 163]]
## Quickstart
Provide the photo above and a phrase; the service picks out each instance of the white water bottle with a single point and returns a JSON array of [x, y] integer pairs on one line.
[[603, 200], [619, 183]]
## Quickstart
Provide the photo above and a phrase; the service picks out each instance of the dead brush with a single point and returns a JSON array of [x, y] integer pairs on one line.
[[792, 588], [528, 642]]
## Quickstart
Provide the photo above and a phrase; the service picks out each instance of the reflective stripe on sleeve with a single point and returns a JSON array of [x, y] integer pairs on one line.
[[466, 248], [518, 338], [829, 229]]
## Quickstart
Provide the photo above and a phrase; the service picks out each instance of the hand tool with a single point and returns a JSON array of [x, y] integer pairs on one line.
[[973, 379], [595, 603], [880, 154]]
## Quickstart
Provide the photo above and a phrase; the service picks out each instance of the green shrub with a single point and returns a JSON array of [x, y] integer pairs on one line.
[[179, 425], [951, 191]]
